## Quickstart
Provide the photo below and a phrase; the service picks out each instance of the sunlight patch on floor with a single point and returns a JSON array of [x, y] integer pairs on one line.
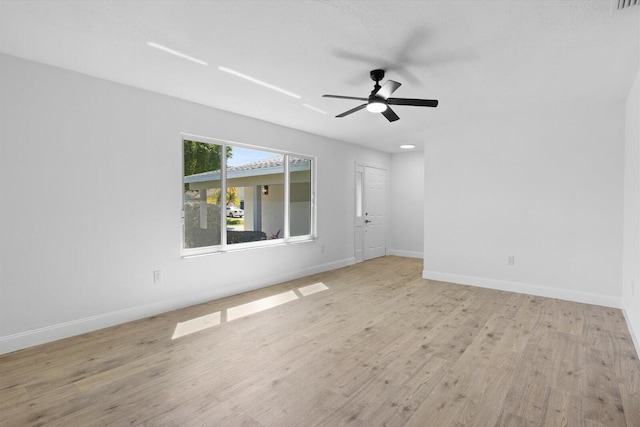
[[312, 289], [260, 305], [197, 324], [232, 313]]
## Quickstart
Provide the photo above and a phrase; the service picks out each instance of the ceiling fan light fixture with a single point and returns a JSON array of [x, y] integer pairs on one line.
[[376, 106]]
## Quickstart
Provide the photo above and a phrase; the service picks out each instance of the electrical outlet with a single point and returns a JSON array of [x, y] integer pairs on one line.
[[511, 260], [156, 276]]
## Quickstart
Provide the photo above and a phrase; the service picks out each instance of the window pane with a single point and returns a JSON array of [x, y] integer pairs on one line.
[[202, 208], [358, 194], [255, 195], [299, 196]]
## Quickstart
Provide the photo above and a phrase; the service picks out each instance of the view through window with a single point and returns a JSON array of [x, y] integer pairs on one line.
[[267, 199]]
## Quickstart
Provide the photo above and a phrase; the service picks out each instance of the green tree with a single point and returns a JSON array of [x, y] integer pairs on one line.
[[202, 157], [232, 196]]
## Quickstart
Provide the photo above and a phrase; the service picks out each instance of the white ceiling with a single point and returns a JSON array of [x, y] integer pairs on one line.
[[478, 58]]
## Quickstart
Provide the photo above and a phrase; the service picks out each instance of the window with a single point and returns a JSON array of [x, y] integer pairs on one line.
[[299, 196], [257, 178], [267, 197], [359, 194]]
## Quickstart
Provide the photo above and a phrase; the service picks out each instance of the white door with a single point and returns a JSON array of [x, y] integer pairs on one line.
[[375, 219]]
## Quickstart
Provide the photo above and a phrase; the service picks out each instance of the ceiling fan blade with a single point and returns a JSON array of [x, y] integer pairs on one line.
[[353, 110], [414, 102], [390, 115], [345, 97], [387, 89]]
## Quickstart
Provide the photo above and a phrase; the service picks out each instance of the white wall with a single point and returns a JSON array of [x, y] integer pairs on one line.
[[406, 205], [631, 239], [90, 183], [545, 187]]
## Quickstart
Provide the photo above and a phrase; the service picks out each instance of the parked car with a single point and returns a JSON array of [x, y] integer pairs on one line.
[[234, 212]]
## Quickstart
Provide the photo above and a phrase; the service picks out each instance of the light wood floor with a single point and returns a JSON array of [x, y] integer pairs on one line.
[[379, 347]]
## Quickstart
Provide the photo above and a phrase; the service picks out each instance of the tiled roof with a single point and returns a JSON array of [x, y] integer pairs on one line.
[[275, 164], [270, 162]]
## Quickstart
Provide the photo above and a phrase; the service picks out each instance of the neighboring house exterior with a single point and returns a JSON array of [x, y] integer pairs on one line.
[[262, 185]]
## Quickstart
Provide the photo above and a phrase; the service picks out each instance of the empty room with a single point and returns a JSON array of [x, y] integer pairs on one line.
[[276, 213]]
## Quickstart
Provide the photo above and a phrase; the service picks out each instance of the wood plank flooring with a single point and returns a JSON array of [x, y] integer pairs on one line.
[[379, 347]]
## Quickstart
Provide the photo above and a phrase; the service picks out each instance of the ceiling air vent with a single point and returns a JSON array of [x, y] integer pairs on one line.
[[626, 3]]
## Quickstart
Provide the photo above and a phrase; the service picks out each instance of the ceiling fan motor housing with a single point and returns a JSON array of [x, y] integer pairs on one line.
[[376, 75], [374, 98]]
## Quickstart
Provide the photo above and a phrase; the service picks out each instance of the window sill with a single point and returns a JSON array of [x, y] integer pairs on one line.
[[242, 247]]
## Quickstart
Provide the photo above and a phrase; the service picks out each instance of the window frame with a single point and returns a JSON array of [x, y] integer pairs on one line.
[[286, 238]]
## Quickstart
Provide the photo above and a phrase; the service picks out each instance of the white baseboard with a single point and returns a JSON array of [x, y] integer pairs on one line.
[[59, 331], [524, 288], [633, 331], [408, 254]]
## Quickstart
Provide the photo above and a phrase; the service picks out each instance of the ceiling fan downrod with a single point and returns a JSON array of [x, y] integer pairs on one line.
[[376, 76]]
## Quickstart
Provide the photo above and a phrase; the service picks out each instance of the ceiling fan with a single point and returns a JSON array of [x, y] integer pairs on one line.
[[379, 101]]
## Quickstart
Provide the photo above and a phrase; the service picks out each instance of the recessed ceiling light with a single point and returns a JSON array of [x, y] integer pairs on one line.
[[314, 108], [259, 82], [408, 146], [176, 53]]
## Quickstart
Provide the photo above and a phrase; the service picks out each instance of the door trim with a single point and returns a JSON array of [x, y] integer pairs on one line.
[[359, 197]]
